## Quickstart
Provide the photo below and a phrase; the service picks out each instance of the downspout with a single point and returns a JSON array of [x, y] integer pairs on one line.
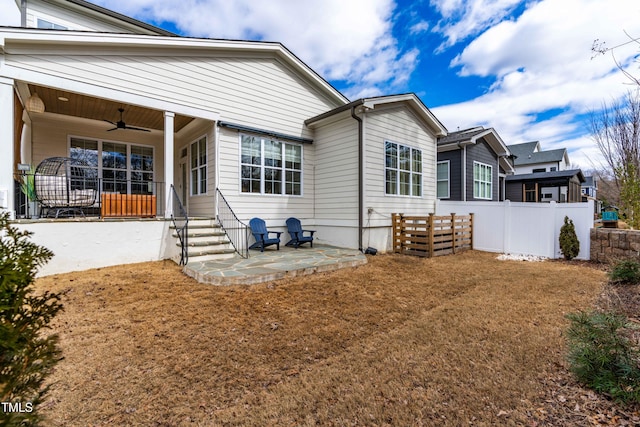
[[23, 13], [463, 147], [360, 180]]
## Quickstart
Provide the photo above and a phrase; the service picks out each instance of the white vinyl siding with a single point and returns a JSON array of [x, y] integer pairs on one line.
[[257, 92], [398, 124], [482, 181], [336, 171], [443, 180]]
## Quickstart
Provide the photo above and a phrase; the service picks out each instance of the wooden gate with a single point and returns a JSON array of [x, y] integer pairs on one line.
[[432, 235]]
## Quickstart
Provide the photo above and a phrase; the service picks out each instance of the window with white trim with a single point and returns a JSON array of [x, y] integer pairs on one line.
[[268, 166], [443, 180], [122, 168], [403, 170], [482, 181], [199, 167]]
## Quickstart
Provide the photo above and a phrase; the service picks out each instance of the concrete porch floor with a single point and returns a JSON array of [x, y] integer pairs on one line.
[[273, 264]]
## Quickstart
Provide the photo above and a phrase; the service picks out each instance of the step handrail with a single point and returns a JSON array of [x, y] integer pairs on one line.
[[236, 230], [180, 221]]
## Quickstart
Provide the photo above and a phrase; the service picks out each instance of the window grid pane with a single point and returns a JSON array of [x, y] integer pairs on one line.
[[483, 179], [270, 167], [199, 167], [403, 170]]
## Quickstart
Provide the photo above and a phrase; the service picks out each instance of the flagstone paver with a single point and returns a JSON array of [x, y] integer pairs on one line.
[[273, 265]]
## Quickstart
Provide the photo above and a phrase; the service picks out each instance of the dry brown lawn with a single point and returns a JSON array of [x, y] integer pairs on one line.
[[402, 341]]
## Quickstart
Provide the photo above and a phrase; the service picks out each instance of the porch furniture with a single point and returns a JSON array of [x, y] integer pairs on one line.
[[261, 234], [65, 186], [297, 233], [128, 205]]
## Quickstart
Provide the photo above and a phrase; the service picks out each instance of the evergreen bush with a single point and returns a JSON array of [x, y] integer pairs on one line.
[[27, 354], [569, 243], [602, 355], [626, 272]]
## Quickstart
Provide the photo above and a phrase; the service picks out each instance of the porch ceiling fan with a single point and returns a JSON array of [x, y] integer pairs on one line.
[[120, 124]]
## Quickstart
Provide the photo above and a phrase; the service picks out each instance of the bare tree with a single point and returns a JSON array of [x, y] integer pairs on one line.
[[599, 48], [616, 131]]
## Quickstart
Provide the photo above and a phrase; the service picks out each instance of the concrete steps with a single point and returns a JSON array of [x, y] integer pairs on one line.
[[206, 241]]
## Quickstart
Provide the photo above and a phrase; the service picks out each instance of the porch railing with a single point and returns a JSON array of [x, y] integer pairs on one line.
[[137, 199], [236, 230], [181, 225], [113, 199]]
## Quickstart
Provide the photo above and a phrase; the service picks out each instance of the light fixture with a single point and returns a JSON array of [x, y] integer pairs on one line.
[[34, 104], [63, 99]]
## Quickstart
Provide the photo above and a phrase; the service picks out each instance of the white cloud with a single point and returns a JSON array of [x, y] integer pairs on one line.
[[349, 41], [464, 18], [10, 15], [541, 62]]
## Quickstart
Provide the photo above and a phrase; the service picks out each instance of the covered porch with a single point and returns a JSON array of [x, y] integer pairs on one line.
[[138, 155]]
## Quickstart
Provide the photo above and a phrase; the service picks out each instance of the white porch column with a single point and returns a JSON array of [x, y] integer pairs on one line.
[[7, 135], [168, 160]]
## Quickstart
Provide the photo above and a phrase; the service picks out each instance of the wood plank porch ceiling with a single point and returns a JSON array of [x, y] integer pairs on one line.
[[101, 109]]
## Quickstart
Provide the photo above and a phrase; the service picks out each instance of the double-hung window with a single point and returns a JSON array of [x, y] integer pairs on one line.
[[403, 170], [482, 181], [270, 167], [199, 166], [443, 180]]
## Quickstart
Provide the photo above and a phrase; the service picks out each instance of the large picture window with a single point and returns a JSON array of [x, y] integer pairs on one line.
[[122, 168], [443, 180], [482, 181], [270, 167], [403, 170], [199, 166]]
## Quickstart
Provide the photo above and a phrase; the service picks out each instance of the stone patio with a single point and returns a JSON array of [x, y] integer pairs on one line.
[[274, 265]]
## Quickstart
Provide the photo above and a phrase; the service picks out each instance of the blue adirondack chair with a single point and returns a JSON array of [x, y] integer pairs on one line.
[[297, 233], [260, 232]]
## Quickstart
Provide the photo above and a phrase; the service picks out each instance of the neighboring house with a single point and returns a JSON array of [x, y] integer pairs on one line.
[[590, 192], [590, 187], [559, 186], [247, 119], [543, 175], [472, 165], [530, 158]]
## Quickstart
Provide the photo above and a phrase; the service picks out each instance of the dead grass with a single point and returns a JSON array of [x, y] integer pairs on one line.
[[456, 340]]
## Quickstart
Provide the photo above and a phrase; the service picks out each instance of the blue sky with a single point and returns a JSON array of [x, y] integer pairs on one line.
[[523, 67]]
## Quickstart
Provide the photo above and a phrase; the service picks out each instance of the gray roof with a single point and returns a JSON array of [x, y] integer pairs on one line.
[[525, 154], [588, 181], [541, 176], [461, 135]]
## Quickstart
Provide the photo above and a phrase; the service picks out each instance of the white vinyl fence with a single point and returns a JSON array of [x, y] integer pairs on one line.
[[523, 228]]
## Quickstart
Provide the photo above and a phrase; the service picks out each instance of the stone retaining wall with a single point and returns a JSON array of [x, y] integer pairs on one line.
[[609, 244]]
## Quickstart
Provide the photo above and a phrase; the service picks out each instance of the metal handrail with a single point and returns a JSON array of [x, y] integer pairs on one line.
[[180, 221], [236, 230]]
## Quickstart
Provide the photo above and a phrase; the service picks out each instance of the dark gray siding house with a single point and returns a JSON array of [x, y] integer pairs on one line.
[[472, 165], [559, 186]]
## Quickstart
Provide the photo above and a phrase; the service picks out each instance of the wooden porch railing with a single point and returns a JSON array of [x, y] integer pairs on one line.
[[431, 235]]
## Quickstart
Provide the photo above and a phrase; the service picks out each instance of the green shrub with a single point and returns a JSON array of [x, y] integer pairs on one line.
[[602, 356], [27, 355], [569, 243], [626, 272]]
